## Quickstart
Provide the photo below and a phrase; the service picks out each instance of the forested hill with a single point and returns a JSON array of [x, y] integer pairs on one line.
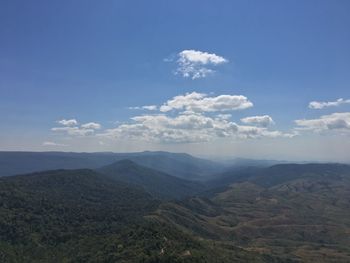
[[158, 184], [83, 216], [299, 212], [176, 164]]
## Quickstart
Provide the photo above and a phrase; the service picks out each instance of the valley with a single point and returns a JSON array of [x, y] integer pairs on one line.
[[127, 212]]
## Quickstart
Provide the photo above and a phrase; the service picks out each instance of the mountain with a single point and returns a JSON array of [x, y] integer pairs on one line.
[[83, 216], [81, 189], [245, 162], [268, 176], [222, 180], [13, 163], [157, 183], [177, 164], [282, 213], [48, 215], [180, 165], [281, 173], [298, 212]]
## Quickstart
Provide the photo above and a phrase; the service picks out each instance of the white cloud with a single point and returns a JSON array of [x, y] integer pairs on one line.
[[49, 143], [147, 107], [332, 122], [224, 116], [322, 104], [70, 128], [186, 128], [200, 102], [193, 117], [150, 107], [200, 57], [71, 122], [91, 125], [194, 64], [74, 131], [263, 121]]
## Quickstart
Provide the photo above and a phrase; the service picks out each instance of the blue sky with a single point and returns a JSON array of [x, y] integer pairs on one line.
[[90, 61]]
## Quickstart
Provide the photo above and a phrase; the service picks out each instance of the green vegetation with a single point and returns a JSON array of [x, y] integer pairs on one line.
[[157, 183], [82, 216], [297, 212], [176, 164], [284, 213]]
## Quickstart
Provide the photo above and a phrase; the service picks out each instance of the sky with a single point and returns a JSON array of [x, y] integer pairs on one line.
[[254, 79]]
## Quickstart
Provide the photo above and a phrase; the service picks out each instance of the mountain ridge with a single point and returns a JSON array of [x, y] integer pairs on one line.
[[155, 182], [176, 164]]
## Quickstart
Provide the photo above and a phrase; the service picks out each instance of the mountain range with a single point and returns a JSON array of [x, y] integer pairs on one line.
[[121, 209], [177, 164]]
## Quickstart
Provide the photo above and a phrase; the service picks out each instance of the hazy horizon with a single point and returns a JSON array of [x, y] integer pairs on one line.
[[215, 158]]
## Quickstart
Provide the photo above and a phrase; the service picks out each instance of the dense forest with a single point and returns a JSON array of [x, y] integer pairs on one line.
[[126, 212]]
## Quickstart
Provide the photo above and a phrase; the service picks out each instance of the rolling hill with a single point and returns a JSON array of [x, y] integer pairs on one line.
[[283, 213], [180, 165], [83, 216], [177, 164], [156, 183], [296, 212]]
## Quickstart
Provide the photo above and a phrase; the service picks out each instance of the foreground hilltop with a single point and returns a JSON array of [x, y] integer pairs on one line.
[[83, 216]]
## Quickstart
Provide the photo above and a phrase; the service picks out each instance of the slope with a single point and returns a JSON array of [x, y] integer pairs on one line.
[[296, 212], [82, 216], [157, 183], [176, 164]]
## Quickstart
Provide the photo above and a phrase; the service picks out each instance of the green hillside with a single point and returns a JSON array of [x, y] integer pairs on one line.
[[298, 212], [176, 164], [82, 216], [157, 183], [284, 213]]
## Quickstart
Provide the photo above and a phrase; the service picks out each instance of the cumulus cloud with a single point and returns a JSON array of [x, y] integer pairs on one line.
[[71, 122], [263, 121], [224, 116], [150, 107], [70, 128], [186, 128], [335, 121], [147, 107], [49, 143], [317, 105], [75, 131], [200, 102], [193, 117], [91, 125], [196, 64]]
